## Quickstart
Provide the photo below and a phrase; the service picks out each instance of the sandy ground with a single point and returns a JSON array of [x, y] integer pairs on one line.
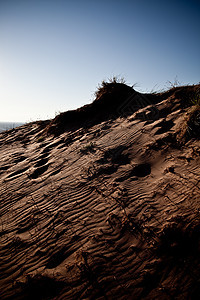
[[106, 212]]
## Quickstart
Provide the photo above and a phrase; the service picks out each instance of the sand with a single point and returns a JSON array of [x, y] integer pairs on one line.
[[105, 211]]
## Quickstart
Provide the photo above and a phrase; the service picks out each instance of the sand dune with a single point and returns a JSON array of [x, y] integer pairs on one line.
[[103, 202]]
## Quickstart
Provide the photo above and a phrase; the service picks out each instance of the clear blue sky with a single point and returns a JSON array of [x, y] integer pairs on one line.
[[53, 54]]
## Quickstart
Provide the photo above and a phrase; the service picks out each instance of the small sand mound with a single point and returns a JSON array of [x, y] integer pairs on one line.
[[112, 100]]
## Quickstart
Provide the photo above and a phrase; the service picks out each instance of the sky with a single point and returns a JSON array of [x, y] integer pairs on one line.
[[53, 54]]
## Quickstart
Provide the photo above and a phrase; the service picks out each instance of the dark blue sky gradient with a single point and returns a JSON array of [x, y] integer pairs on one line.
[[53, 54]]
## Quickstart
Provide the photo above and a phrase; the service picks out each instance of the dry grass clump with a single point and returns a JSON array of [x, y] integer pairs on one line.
[[109, 86], [191, 125]]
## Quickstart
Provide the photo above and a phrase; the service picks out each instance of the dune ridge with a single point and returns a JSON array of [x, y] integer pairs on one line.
[[103, 202]]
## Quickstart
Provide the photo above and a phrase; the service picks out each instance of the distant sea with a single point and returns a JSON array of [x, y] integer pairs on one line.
[[9, 125]]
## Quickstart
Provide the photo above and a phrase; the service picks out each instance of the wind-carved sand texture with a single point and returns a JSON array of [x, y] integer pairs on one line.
[[103, 202]]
